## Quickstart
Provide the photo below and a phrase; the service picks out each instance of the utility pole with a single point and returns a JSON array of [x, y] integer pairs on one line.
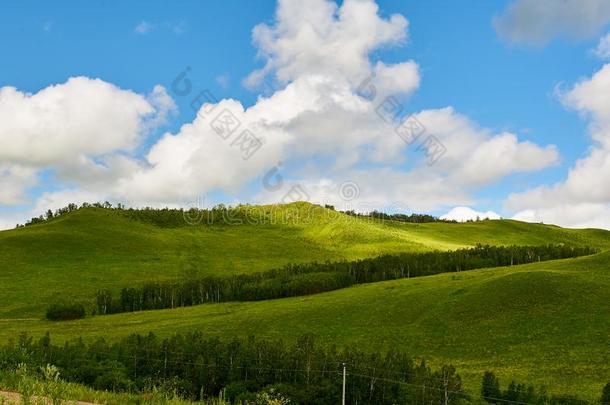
[[343, 401]]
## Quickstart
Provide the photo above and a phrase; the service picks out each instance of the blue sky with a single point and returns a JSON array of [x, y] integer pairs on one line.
[[499, 83]]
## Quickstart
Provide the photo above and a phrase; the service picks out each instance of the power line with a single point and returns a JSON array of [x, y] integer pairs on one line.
[[329, 371]]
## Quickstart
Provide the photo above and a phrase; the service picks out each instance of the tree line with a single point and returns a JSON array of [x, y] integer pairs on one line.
[[222, 214], [197, 367], [411, 218], [520, 393], [163, 217], [311, 278], [65, 312]]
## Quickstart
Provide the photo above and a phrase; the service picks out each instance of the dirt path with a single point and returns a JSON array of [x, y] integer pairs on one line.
[[13, 397]]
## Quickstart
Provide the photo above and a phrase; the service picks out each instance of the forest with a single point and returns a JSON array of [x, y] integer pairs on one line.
[[194, 366], [311, 278]]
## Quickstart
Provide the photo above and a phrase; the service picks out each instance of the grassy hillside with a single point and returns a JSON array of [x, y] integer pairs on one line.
[[73, 256], [545, 323]]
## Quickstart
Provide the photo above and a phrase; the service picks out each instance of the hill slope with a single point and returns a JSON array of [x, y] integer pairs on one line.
[[545, 323], [73, 256]]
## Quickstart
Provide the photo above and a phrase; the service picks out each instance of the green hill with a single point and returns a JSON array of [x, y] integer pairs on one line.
[[545, 323], [81, 252]]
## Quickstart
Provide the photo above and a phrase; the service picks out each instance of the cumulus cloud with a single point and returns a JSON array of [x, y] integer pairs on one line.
[[539, 21], [320, 38], [462, 214], [60, 123], [383, 189], [583, 197], [579, 215], [476, 156], [332, 119], [70, 126]]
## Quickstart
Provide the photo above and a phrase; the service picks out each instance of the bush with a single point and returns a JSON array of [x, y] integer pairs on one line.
[[65, 312]]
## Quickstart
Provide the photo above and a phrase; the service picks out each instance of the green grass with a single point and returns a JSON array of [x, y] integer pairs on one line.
[[75, 255], [545, 323]]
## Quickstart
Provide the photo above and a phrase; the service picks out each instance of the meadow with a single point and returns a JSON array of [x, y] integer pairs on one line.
[[545, 323], [79, 253]]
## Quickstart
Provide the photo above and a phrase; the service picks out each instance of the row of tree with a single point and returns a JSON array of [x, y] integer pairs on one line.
[[198, 367], [173, 217], [65, 312], [411, 218], [221, 214], [66, 210], [519, 393], [312, 278]]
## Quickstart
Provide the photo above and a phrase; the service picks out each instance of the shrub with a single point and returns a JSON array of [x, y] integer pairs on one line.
[[65, 312]]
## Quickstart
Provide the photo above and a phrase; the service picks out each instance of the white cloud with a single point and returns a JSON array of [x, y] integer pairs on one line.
[[539, 21], [163, 105], [504, 154], [320, 38], [579, 215], [143, 27], [603, 47], [14, 180], [462, 214], [476, 156], [583, 198], [367, 190], [59, 199], [319, 122], [197, 159], [48, 201], [401, 78], [8, 220], [60, 123], [67, 127]]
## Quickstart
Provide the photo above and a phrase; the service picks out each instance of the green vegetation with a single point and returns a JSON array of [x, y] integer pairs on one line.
[[65, 312], [46, 386], [247, 372], [79, 253], [199, 368], [520, 393], [544, 323], [313, 278]]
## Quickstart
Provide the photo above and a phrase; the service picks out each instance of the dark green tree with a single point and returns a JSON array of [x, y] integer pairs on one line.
[[490, 387], [605, 399]]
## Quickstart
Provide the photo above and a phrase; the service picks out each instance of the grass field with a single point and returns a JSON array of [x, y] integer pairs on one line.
[[545, 323], [77, 254]]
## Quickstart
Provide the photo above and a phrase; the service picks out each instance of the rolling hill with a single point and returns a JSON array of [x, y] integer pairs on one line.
[[545, 323]]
